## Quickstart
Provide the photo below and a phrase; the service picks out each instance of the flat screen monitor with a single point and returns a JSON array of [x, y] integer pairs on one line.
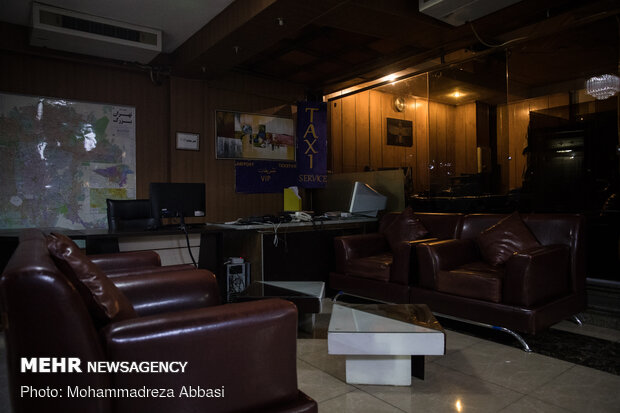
[[181, 200], [366, 201]]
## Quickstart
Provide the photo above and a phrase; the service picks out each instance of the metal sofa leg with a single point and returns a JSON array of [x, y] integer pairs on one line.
[[504, 329], [515, 335]]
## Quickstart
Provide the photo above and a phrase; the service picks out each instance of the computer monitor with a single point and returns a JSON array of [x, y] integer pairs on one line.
[[175, 199], [366, 201]]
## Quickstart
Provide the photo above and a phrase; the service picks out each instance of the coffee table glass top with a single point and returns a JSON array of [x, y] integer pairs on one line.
[[383, 318], [307, 295], [285, 289]]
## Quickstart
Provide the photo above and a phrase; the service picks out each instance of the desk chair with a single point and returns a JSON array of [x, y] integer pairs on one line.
[[130, 215]]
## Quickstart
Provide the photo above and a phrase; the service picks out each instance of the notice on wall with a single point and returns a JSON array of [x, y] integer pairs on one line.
[[312, 144], [61, 159]]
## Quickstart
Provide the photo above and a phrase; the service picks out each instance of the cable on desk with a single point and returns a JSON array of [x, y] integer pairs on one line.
[[275, 233], [189, 248]]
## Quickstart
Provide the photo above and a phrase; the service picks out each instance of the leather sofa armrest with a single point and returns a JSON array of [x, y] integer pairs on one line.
[[443, 256], [359, 245], [535, 275], [248, 349], [169, 291], [125, 260], [124, 272], [405, 262]]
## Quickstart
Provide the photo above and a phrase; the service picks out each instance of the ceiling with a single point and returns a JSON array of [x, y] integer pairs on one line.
[[177, 19], [327, 45]]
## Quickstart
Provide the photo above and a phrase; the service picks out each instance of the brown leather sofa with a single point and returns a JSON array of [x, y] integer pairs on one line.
[[539, 280], [495, 274], [383, 265], [56, 303]]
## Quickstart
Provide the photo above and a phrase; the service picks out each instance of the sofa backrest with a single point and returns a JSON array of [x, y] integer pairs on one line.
[[44, 316], [564, 229], [439, 225]]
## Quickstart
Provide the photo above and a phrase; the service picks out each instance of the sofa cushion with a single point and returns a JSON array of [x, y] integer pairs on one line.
[[376, 267], [478, 280], [500, 241], [103, 299], [406, 227]]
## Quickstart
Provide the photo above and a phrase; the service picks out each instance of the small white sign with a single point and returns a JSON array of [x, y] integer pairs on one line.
[[188, 141]]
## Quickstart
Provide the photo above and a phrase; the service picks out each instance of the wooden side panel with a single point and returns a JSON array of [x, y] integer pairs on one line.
[[391, 154], [503, 146], [335, 138], [362, 130], [409, 152], [465, 159], [421, 177], [349, 143], [376, 130]]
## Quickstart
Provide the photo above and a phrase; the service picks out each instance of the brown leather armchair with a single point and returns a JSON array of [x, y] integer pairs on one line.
[[383, 265], [246, 351], [517, 273]]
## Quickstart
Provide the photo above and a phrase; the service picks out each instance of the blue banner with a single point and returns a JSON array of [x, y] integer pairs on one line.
[[254, 177], [312, 144]]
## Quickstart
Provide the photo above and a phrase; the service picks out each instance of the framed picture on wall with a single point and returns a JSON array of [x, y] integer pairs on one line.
[[188, 141], [253, 136], [399, 132]]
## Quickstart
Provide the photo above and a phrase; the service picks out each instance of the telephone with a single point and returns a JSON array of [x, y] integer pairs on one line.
[[302, 216]]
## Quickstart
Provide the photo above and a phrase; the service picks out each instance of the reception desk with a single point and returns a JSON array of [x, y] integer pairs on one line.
[[303, 250], [300, 251]]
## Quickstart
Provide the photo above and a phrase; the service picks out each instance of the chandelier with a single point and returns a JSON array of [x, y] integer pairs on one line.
[[603, 87]]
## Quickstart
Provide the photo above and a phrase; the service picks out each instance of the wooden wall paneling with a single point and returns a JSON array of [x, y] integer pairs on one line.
[[421, 173], [362, 131], [348, 134], [432, 140], [472, 132], [376, 130], [503, 147], [467, 156], [410, 151], [517, 123], [450, 138], [391, 154], [335, 142], [437, 143], [460, 140]]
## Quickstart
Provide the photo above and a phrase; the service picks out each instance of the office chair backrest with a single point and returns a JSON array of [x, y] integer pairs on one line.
[[130, 215]]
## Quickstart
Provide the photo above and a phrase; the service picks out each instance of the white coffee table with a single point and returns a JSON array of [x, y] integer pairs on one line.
[[379, 341]]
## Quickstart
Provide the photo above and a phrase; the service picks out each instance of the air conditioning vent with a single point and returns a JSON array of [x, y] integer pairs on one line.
[[75, 32], [458, 12]]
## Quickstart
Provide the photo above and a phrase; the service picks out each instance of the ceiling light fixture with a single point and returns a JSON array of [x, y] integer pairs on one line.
[[457, 94], [603, 87]]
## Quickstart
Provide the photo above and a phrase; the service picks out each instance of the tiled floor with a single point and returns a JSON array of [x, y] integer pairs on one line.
[[475, 375]]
